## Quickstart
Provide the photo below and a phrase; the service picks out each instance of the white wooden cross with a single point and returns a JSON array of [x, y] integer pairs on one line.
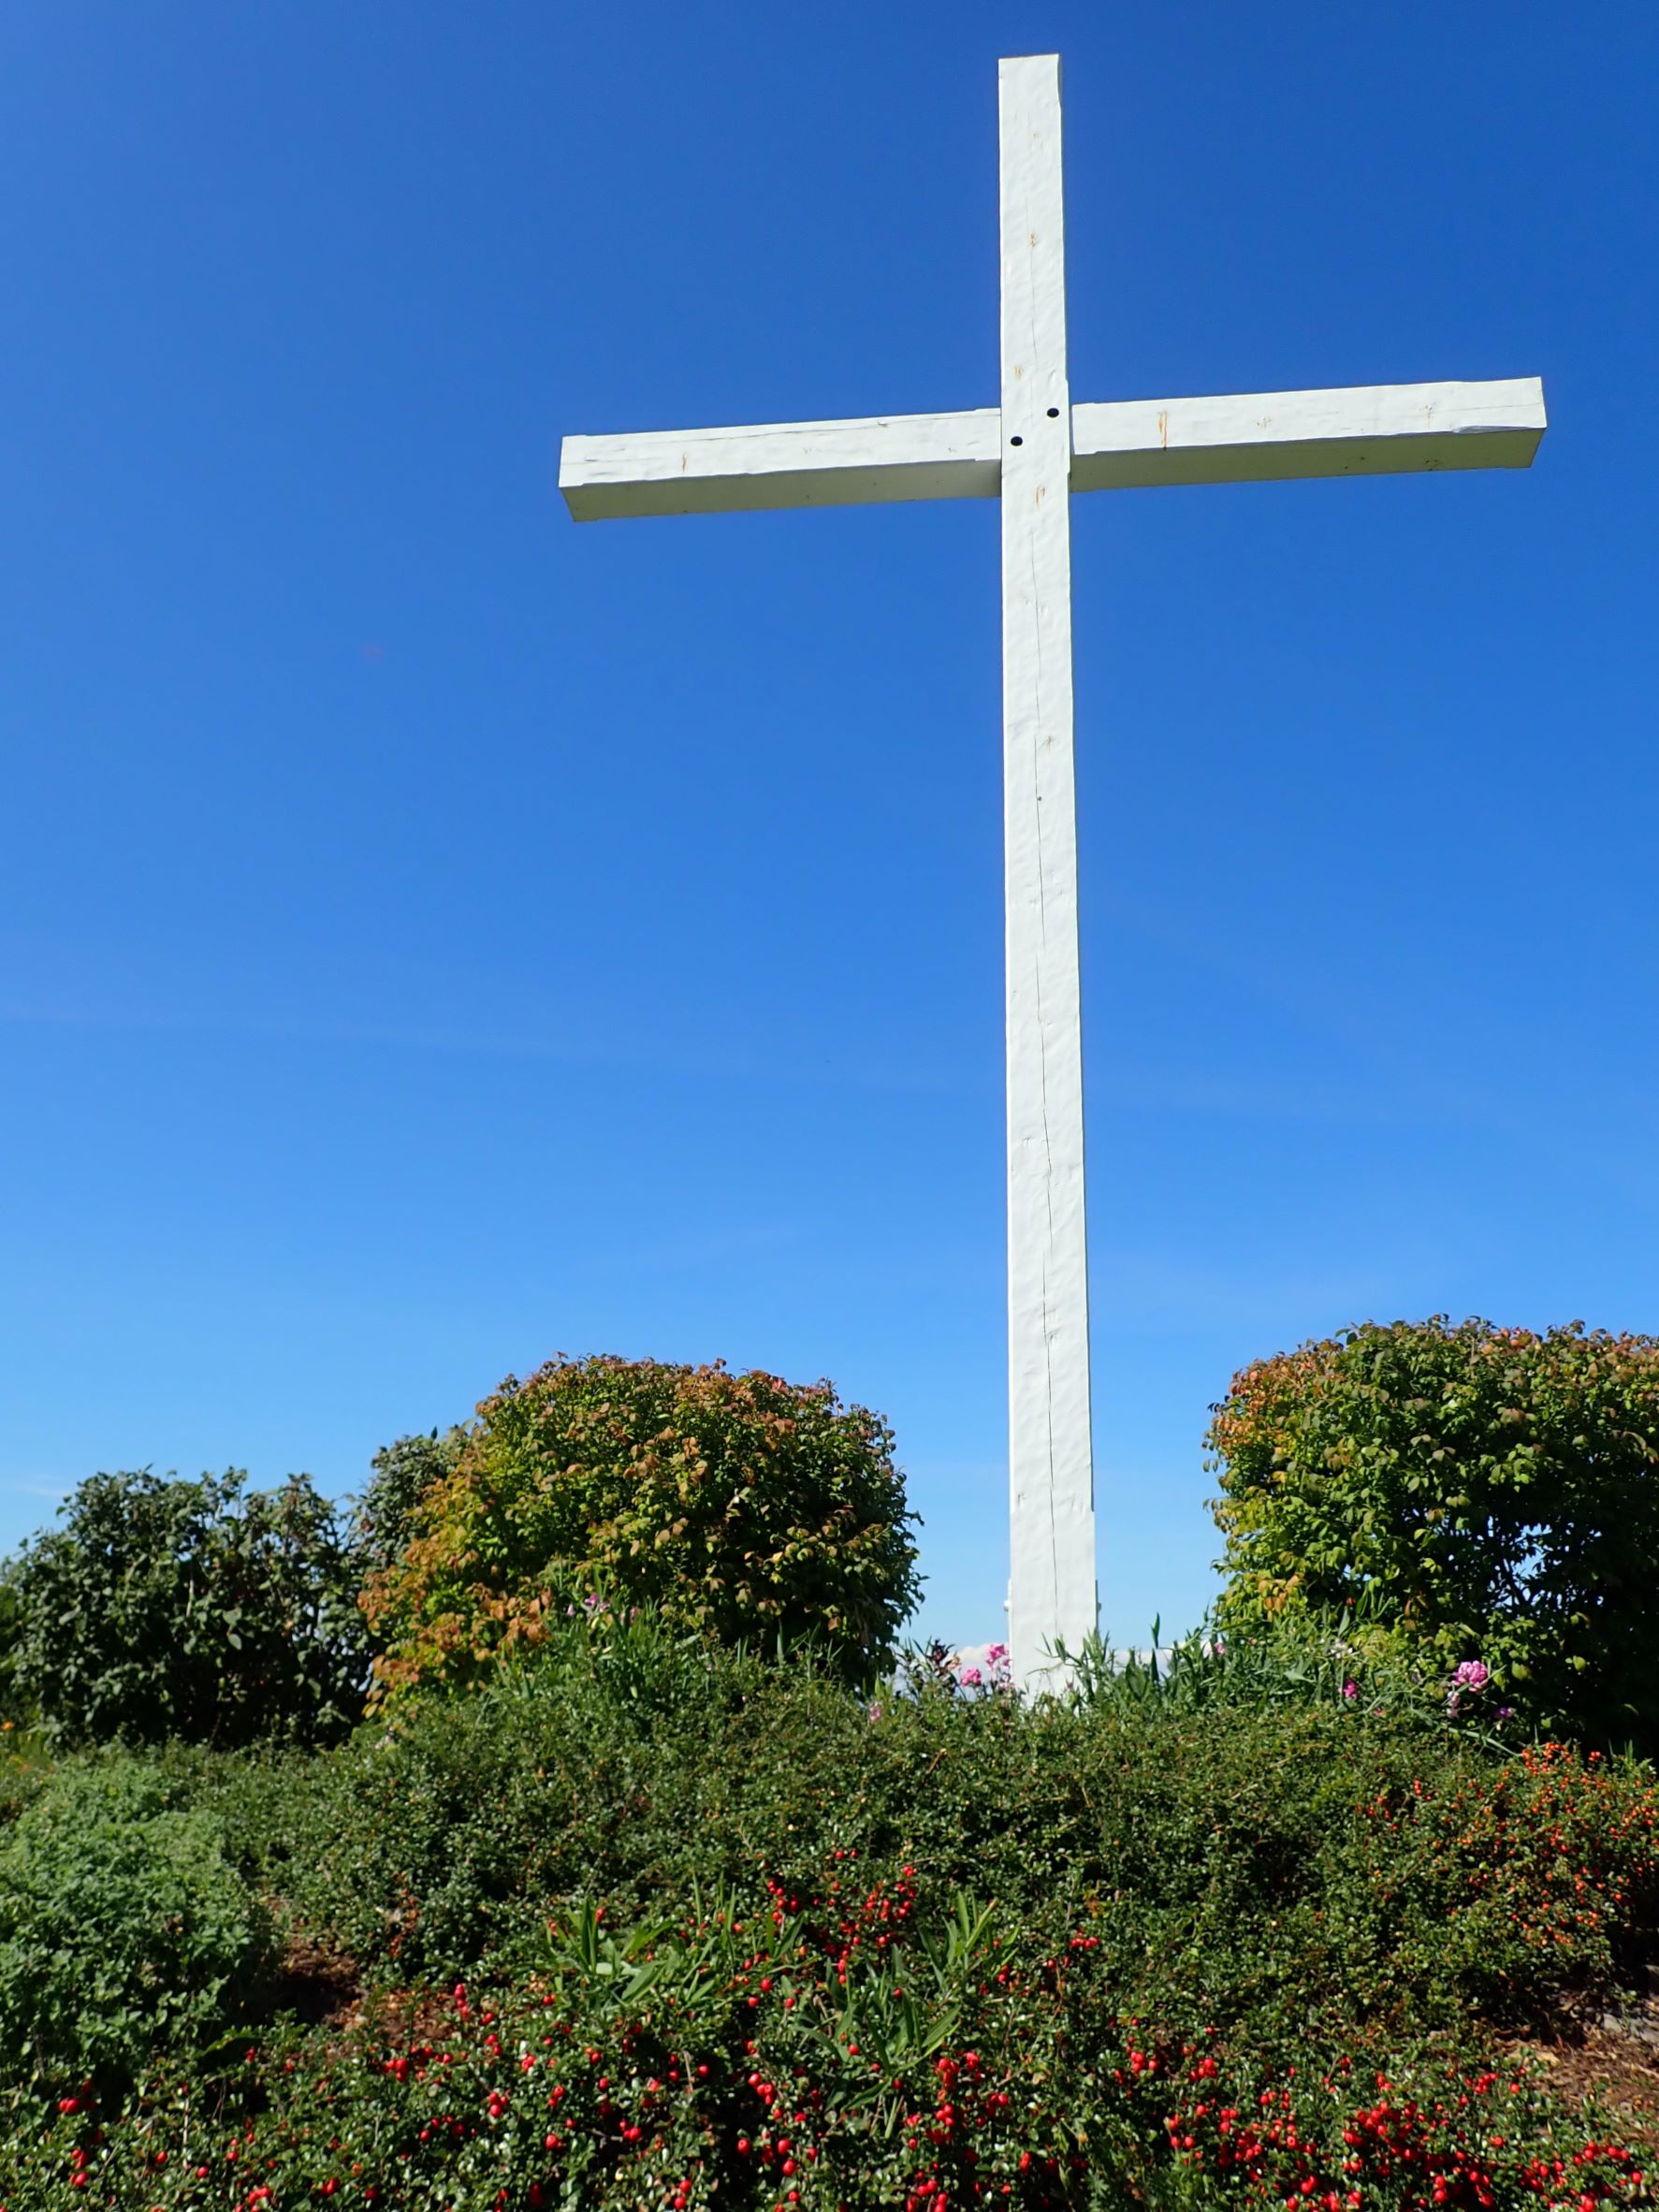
[[1034, 450]]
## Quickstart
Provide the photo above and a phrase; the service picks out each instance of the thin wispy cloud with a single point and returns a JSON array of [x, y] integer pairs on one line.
[[1369, 1105], [1137, 1086], [734, 1063], [1153, 1286]]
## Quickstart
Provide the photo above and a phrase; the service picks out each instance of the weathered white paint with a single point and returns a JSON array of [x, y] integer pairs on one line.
[[1239, 438], [1371, 429], [1051, 1592], [1036, 449], [793, 464]]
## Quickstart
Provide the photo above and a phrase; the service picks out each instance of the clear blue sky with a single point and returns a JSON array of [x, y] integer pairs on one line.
[[434, 934]]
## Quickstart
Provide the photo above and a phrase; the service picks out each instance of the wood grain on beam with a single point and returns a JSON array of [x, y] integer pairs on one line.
[[1378, 430], [797, 465]]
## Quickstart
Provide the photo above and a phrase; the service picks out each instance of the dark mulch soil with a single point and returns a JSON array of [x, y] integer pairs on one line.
[[1616, 2061], [316, 1984]]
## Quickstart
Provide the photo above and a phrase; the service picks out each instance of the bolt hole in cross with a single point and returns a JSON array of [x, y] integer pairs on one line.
[[1367, 429]]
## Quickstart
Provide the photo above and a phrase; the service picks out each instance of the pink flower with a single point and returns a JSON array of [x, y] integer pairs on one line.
[[1350, 1691], [1471, 1675], [970, 1678]]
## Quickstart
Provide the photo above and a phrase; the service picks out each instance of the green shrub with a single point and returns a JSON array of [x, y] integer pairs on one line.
[[1323, 1862], [697, 1901], [846, 2035], [740, 1507], [631, 1760], [1486, 1497], [15, 1709], [166, 1607], [122, 1929], [838, 2051], [402, 1473]]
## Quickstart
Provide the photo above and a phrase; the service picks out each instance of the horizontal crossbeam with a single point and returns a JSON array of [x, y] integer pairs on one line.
[[792, 464], [1244, 438], [1369, 430]]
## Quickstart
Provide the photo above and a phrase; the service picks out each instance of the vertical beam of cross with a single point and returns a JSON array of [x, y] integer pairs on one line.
[[1050, 1470]]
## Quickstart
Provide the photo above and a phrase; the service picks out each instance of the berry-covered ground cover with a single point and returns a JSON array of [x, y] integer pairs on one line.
[[648, 1927]]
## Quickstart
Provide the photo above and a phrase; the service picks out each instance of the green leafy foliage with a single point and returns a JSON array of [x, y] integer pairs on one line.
[[402, 1473], [123, 1929], [1318, 1864], [1487, 1498], [15, 1708], [835, 2052], [1296, 1661], [166, 1607], [680, 1909], [25, 1764], [656, 1924], [741, 1507]]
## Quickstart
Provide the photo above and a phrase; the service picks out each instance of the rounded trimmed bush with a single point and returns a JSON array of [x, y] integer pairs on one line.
[[738, 1507], [1489, 1498]]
